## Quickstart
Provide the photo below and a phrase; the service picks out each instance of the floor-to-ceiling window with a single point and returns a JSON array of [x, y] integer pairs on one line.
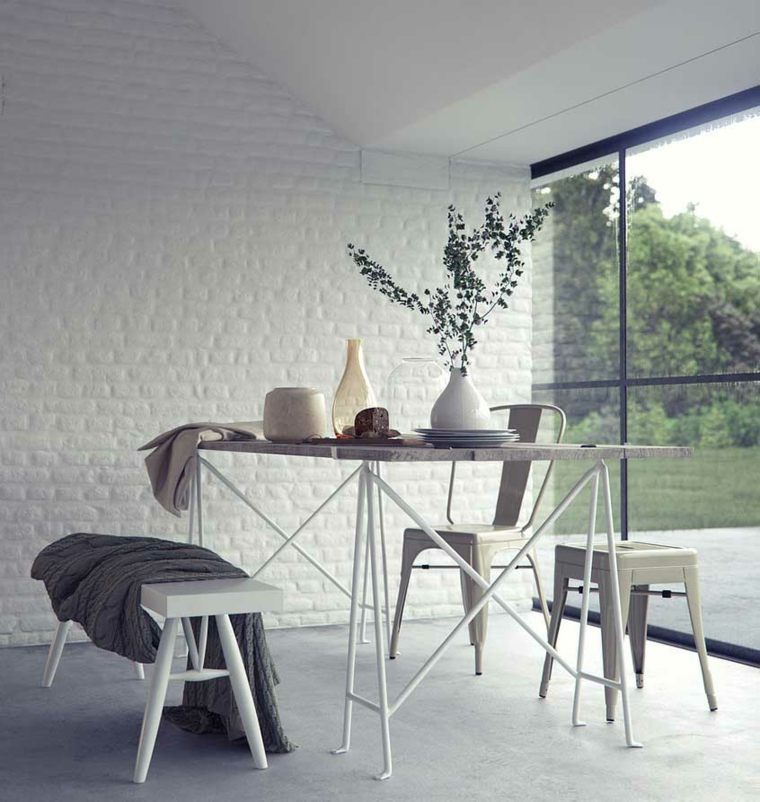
[[647, 329]]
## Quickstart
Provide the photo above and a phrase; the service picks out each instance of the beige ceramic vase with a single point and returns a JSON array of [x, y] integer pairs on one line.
[[354, 392]]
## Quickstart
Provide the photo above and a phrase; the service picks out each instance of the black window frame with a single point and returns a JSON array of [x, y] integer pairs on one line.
[[619, 145]]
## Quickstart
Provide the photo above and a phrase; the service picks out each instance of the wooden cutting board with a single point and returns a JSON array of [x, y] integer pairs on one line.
[[395, 442]]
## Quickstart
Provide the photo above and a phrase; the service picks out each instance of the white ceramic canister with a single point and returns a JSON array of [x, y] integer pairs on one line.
[[293, 414]]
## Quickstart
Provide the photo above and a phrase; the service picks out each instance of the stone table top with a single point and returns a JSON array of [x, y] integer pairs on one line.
[[513, 452]]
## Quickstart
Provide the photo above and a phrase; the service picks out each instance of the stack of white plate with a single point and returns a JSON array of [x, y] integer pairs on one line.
[[468, 438]]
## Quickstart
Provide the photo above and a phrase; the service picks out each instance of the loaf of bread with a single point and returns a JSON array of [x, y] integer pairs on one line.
[[372, 421]]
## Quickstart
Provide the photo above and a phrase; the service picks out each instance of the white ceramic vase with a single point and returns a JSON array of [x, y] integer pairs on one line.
[[460, 405]]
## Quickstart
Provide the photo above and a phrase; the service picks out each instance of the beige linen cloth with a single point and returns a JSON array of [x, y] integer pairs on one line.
[[171, 463]]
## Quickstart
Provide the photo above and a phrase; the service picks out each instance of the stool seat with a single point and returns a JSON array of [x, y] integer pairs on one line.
[[631, 555], [210, 597]]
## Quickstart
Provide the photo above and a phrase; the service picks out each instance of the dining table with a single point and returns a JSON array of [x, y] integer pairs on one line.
[[369, 552]]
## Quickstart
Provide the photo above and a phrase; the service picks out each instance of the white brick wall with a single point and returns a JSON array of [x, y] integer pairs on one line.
[[173, 228]]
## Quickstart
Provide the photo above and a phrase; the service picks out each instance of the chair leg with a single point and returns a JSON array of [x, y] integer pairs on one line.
[[637, 631], [467, 600], [54, 653], [410, 551], [156, 696], [610, 657], [139, 670], [242, 690], [533, 560], [691, 582], [558, 608], [481, 560]]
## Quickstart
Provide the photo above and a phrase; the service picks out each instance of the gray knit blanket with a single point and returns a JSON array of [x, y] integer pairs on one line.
[[96, 581]]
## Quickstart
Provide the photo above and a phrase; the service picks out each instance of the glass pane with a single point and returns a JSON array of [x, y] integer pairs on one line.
[[592, 417], [694, 253], [575, 278], [709, 502]]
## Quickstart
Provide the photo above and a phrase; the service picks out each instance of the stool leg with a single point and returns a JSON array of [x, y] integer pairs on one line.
[[156, 696], [610, 656], [54, 654], [242, 690], [691, 582], [637, 631], [558, 608], [532, 558]]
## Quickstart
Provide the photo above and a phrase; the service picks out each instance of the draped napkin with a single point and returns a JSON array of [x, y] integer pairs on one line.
[[171, 463]]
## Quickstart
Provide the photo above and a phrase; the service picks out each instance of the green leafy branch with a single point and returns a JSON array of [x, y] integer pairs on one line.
[[464, 301]]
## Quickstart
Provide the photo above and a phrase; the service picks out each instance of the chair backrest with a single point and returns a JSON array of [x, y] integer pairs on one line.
[[526, 420]]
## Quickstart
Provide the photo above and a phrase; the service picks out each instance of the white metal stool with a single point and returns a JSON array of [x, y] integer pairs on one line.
[[181, 601], [639, 566]]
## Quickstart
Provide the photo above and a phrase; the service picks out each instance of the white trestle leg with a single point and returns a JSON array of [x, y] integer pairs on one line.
[[617, 610], [585, 600], [353, 617], [380, 640]]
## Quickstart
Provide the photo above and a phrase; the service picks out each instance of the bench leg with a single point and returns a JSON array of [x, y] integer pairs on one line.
[[242, 690], [156, 697], [54, 654]]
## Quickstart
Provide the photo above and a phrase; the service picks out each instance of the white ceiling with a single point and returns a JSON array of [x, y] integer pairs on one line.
[[502, 80]]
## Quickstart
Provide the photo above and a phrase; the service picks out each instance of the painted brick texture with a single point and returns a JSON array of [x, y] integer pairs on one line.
[[173, 229]]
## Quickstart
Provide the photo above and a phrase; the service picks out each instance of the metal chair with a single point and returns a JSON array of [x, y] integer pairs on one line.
[[479, 543]]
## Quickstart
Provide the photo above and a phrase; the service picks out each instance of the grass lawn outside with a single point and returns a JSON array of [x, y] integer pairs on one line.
[[716, 487]]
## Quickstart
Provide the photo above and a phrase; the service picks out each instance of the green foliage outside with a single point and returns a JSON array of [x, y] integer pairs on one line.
[[693, 307], [714, 489]]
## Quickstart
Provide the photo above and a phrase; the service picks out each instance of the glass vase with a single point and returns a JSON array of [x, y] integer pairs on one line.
[[411, 390], [354, 392]]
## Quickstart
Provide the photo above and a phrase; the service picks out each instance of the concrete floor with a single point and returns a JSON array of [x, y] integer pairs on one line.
[[459, 736]]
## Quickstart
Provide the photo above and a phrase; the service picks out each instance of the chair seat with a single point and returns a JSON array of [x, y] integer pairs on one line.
[[469, 534], [630, 555], [201, 597]]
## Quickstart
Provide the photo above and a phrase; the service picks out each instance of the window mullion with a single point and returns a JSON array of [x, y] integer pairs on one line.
[[623, 333]]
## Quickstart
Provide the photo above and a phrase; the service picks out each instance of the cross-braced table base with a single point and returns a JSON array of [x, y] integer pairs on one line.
[[365, 541], [370, 554]]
